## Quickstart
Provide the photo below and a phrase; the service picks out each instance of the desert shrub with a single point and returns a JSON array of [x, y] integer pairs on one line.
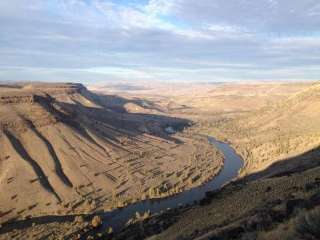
[[96, 221], [308, 224]]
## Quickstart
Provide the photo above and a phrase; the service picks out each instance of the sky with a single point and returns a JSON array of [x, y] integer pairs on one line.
[[164, 40]]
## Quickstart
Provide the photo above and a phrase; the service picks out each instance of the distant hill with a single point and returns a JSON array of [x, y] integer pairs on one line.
[[278, 196], [281, 130]]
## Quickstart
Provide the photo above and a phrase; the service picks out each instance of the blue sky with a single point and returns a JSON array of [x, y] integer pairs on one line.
[[163, 40]]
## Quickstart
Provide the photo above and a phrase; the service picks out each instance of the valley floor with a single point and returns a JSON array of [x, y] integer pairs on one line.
[[274, 127]]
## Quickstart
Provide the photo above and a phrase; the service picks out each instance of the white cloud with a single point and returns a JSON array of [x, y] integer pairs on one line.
[[123, 73], [159, 7], [162, 39]]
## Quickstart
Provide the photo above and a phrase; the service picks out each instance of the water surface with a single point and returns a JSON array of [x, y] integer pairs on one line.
[[232, 164]]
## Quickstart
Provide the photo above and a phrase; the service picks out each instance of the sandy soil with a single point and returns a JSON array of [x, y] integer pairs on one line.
[[278, 196], [265, 122], [276, 132], [66, 151]]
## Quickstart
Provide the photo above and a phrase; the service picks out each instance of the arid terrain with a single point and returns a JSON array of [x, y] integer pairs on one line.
[[159, 120], [68, 151], [203, 100], [285, 129], [277, 193]]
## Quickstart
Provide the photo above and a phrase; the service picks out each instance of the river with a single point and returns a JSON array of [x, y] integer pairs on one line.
[[232, 164]]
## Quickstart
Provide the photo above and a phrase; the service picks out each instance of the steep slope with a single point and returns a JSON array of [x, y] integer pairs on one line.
[[283, 207], [65, 150], [282, 130], [279, 194]]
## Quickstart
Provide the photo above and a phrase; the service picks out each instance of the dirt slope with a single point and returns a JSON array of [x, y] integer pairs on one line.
[[279, 195], [65, 150], [285, 129]]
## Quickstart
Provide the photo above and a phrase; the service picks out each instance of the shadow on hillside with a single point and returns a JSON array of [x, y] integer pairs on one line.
[[58, 166], [287, 167], [33, 164], [117, 103], [111, 120], [296, 164], [21, 224]]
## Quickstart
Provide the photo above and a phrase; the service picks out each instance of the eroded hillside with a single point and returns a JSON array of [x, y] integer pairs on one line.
[[277, 196], [65, 150], [278, 131]]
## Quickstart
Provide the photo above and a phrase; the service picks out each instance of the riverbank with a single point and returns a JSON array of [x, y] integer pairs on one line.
[[285, 205], [118, 218], [231, 167], [164, 208]]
